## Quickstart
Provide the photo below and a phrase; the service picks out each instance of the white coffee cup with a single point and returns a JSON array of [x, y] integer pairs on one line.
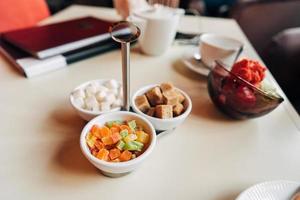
[[158, 28], [216, 47]]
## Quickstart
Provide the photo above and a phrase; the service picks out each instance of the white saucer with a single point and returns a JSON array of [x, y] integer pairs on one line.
[[274, 190], [190, 62]]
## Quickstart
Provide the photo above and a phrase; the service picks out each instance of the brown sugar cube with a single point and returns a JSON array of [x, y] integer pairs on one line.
[[180, 96], [155, 96], [166, 87], [178, 109], [142, 103], [164, 111], [151, 112], [170, 97]]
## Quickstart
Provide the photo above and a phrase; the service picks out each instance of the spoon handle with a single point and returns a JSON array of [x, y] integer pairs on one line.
[[238, 54]]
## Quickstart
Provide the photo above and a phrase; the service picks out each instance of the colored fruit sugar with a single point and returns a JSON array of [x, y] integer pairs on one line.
[[117, 141], [249, 70], [236, 92]]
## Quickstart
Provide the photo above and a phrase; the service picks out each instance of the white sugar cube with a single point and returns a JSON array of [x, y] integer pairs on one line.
[[117, 103], [101, 88], [78, 93], [115, 92], [110, 98], [120, 91], [111, 84], [94, 84], [79, 102], [100, 96], [91, 102], [105, 106], [90, 90]]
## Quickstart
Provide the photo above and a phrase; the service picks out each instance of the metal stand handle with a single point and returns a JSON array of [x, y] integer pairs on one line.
[[125, 32], [126, 74]]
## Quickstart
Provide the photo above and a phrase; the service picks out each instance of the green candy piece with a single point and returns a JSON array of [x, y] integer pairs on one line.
[[139, 144], [124, 133], [130, 146], [121, 145], [111, 123], [132, 125]]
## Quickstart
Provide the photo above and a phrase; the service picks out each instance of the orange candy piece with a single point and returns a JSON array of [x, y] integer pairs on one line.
[[125, 155], [114, 153], [125, 127], [105, 132], [103, 154], [115, 129], [115, 137], [107, 140], [95, 130], [94, 152], [99, 145]]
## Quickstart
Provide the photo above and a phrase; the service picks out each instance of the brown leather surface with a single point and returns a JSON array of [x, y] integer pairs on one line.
[[54, 35], [282, 56], [261, 20]]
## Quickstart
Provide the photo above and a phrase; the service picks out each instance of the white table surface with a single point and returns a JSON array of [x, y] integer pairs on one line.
[[208, 157]]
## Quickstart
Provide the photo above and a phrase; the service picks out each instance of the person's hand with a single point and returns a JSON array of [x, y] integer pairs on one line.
[[126, 7]]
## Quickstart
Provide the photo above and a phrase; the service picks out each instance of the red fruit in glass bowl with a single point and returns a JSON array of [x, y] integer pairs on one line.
[[249, 70], [236, 94], [244, 97], [237, 97]]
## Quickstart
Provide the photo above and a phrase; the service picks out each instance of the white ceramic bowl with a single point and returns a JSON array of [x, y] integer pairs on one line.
[[117, 169], [88, 114], [163, 124]]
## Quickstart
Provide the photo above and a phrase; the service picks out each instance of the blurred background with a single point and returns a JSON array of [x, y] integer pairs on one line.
[[272, 26]]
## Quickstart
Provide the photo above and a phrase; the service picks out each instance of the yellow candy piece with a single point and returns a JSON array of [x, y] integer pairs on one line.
[[91, 140], [130, 137], [142, 137]]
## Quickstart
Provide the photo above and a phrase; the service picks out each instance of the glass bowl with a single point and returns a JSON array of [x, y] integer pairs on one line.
[[238, 98]]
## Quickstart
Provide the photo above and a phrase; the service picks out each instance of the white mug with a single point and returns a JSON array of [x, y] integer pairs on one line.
[[216, 47], [158, 28]]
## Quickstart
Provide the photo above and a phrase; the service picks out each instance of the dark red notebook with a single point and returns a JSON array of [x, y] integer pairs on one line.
[[58, 38]]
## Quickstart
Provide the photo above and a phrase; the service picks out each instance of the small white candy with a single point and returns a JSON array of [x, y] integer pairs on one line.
[[105, 106], [78, 93], [89, 94], [101, 88], [90, 90], [117, 103], [100, 96], [120, 91], [110, 98], [111, 84], [91, 102], [94, 84], [115, 92], [79, 102]]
